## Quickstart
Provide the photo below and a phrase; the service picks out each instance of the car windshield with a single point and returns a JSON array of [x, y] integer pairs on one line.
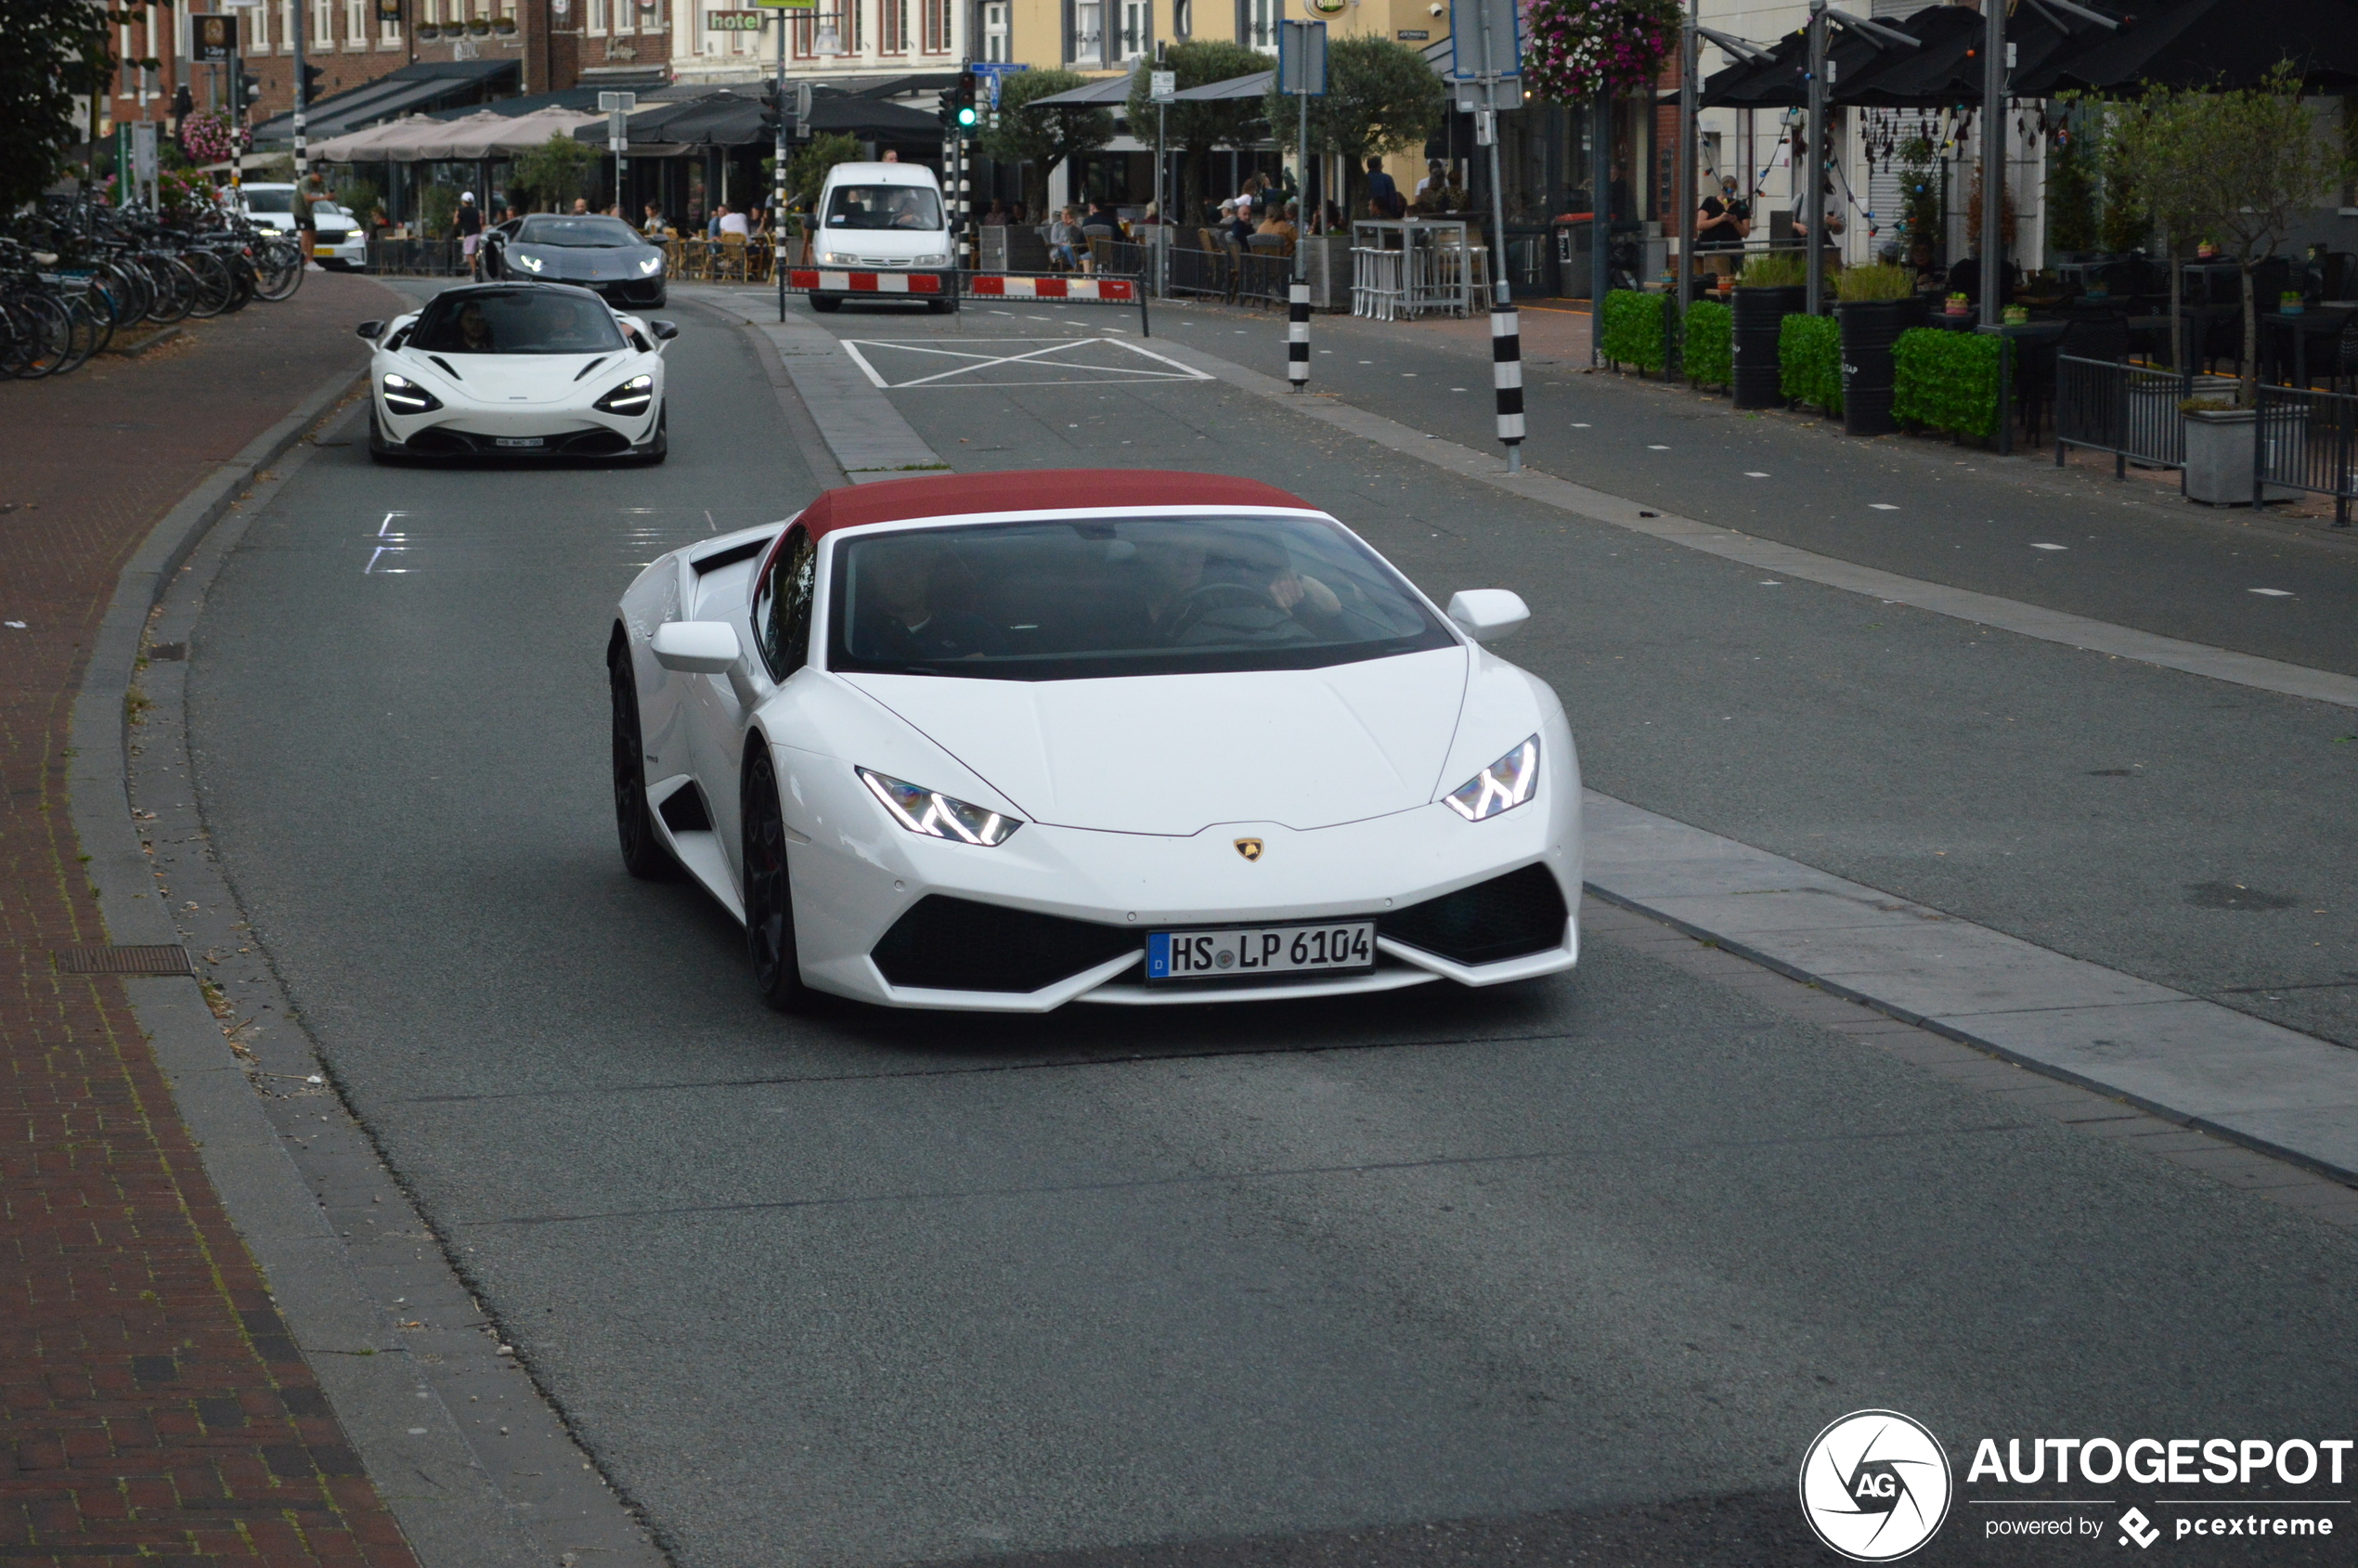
[[270, 200], [586, 233], [1075, 601], [884, 206], [516, 321], [328, 209]]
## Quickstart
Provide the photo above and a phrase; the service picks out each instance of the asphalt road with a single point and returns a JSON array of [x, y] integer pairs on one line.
[[1567, 1273], [2133, 552]]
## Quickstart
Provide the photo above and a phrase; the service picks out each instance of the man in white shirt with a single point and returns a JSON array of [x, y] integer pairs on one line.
[[733, 222]]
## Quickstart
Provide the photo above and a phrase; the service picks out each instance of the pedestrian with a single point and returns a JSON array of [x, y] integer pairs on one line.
[[1383, 192], [581, 206], [1436, 178], [1722, 223], [468, 223], [890, 156], [311, 188], [653, 225]]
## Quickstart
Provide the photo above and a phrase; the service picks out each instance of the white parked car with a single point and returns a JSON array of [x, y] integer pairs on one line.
[[879, 218], [338, 241], [1006, 741], [517, 371]]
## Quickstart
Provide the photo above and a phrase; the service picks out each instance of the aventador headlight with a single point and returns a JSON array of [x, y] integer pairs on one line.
[[406, 396], [631, 397], [652, 265], [530, 263], [937, 815], [1502, 787]]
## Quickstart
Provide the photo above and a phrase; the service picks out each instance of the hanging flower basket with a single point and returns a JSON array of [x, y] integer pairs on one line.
[[205, 138], [1575, 48], [505, 27], [428, 31], [480, 28]]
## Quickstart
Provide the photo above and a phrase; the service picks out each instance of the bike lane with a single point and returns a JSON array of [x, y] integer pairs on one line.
[[152, 1399]]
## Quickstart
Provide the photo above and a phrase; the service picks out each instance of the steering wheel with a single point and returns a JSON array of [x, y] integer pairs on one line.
[[1204, 597]]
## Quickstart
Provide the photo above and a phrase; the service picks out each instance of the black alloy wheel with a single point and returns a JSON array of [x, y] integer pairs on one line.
[[777, 965], [644, 854]]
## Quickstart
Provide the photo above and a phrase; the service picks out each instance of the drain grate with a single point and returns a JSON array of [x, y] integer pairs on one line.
[[123, 961]]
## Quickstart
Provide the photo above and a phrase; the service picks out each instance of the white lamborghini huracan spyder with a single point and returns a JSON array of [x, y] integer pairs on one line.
[[517, 371], [1007, 740]]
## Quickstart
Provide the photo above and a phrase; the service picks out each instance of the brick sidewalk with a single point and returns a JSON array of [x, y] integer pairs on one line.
[[152, 1405]]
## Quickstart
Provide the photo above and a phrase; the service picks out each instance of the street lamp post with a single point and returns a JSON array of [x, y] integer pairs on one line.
[[1813, 200]]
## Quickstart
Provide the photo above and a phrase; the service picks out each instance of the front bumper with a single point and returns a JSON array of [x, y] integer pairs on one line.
[[348, 253], [1061, 914], [562, 432]]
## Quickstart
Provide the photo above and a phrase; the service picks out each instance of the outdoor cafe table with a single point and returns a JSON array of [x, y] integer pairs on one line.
[[1436, 269], [2319, 321]]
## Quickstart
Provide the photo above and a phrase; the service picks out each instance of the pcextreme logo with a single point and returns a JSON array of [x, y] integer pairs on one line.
[[1875, 1485]]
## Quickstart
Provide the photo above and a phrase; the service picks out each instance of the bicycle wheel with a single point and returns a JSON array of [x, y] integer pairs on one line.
[[278, 266], [176, 289], [215, 287], [124, 290], [241, 276], [12, 340], [82, 333], [48, 339]]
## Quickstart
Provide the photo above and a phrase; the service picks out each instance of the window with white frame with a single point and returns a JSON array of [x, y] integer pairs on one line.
[[1257, 24], [356, 24], [1137, 28], [594, 17], [1088, 31], [322, 23], [996, 43]]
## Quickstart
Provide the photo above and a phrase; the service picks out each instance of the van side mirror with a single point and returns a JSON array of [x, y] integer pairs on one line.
[[370, 329]]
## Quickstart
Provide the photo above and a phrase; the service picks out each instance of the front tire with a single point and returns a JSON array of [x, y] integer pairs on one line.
[[826, 304], [644, 854], [660, 448], [769, 937]]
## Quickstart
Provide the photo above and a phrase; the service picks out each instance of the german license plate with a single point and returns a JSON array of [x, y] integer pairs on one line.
[[1267, 950], [323, 249], [519, 440]]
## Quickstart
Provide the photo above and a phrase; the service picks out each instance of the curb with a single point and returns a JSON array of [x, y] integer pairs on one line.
[[466, 1516], [153, 339]]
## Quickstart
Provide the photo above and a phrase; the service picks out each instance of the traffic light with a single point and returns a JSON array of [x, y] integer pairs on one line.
[[311, 75], [248, 89], [962, 103]]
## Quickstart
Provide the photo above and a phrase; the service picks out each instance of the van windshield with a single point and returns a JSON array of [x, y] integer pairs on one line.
[[884, 206]]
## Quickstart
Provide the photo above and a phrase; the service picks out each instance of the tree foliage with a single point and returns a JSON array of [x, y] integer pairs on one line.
[[1044, 138], [56, 49], [554, 173], [807, 173], [1197, 128], [1380, 97]]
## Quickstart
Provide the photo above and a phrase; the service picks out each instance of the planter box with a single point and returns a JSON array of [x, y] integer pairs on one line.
[[2219, 456], [1870, 327], [1759, 317], [1329, 271]]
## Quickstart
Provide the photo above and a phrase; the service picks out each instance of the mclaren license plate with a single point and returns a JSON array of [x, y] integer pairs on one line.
[[1267, 950], [520, 441]]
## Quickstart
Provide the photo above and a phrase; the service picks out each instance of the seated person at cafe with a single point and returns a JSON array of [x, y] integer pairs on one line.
[[1964, 279], [1063, 240], [1281, 224]]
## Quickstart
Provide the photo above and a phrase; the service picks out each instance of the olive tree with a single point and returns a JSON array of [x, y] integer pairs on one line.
[[1043, 137], [1197, 128], [1380, 97]]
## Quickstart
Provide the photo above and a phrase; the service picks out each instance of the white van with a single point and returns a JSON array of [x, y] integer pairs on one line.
[[877, 217]]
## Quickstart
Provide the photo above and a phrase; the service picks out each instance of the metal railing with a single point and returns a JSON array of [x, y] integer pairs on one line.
[[415, 258], [2307, 441], [1264, 276], [1206, 274], [2128, 410]]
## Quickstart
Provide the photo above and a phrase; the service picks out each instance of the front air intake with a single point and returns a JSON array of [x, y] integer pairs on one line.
[[1507, 916], [956, 944]]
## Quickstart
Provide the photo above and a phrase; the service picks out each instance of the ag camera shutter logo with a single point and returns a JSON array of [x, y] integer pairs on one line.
[[1875, 1485]]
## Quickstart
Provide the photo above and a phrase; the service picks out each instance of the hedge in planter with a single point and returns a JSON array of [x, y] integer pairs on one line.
[[1948, 380], [1809, 360], [1633, 332], [1709, 341]]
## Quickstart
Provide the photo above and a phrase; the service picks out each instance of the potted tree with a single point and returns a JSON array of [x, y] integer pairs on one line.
[[1380, 97], [1874, 306], [1773, 287]]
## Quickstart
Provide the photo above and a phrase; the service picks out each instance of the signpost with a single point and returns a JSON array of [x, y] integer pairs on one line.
[[1301, 71], [1162, 88], [778, 144], [214, 40], [1493, 30], [617, 108]]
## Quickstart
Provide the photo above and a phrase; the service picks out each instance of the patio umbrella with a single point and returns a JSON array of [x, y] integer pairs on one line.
[[2207, 43], [1094, 94], [450, 140], [1254, 87], [370, 146]]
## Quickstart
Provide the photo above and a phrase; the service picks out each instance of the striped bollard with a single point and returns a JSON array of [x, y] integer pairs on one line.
[[1298, 336], [1506, 376]]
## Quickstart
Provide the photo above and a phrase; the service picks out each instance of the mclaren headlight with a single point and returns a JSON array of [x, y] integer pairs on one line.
[[938, 815], [1502, 787], [650, 267], [631, 397], [530, 263], [406, 396]]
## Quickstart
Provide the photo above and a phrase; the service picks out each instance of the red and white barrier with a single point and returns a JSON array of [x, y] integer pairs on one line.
[[1110, 291], [1079, 288], [802, 279]]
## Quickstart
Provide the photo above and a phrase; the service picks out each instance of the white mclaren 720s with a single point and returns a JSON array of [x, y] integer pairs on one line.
[[1007, 740]]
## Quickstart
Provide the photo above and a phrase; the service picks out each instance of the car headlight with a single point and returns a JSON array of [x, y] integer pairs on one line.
[[530, 263], [631, 397], [652, 265], [937, 815], [931, 261], [406, 396], [1502, 787], [837, 258]]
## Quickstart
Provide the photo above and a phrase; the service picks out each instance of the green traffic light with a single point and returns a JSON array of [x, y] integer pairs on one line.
[[966, 115]]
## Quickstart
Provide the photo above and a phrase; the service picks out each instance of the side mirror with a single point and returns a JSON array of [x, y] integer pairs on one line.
[[1488, 614], [664, 331], [370, 329], [696, 647]]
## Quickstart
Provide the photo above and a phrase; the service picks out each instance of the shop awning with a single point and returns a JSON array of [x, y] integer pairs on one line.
[[1256, 86], [427, 85], [1102, 94], [2197, 44]]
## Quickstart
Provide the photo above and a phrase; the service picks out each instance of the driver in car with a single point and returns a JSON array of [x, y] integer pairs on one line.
[[904, 210], [1189, 587], [907, 618], [474, 330]]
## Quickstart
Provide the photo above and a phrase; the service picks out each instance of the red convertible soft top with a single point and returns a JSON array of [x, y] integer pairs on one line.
[[1050, 490]]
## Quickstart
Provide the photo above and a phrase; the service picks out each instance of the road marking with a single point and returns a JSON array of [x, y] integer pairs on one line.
[[1772, 582], [1654, 449], [1578, 426], [2051, 547], [2273, 592], [1750, 473], [977, 360], [1883, 506]]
